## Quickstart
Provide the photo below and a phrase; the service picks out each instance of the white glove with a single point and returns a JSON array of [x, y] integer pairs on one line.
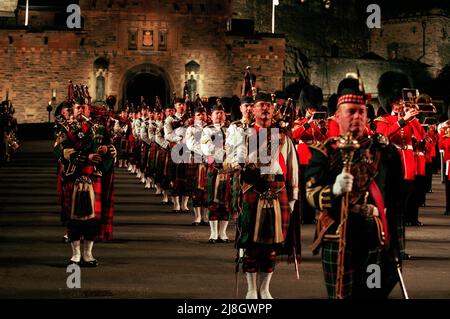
[[291, 205], [343, 184], [375, 211]]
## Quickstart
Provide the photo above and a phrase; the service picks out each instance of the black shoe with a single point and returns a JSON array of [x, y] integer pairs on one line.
[[89, 264], [212, 241], [186, 211], [195, 224], [71, 262], [203, 223], [220, 240], [417, 223]]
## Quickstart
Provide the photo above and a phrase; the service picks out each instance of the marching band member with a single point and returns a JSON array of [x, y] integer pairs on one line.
[[270, 189], [218, 179]]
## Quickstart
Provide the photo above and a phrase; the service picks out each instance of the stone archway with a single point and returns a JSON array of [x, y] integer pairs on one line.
[[148, 80]]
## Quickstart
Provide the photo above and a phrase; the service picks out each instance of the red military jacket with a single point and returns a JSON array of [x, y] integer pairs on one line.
[[444, 145], [333, 127], [305, 134], [400, 134], [431, 144]]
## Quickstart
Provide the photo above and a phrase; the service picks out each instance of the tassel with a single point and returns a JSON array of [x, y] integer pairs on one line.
[[267, 232], [83, 199], [268, 226]]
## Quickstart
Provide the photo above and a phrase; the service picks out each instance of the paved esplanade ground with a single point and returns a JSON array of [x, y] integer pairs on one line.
[[157, 254]]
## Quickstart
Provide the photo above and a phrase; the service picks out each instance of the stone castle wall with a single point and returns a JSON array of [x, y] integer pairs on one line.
[[37, 62], [405, 36]]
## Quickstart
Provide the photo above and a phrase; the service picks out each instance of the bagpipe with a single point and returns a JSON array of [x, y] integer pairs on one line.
[[185, 121]]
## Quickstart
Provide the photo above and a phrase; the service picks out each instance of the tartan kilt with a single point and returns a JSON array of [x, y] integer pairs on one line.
[[61, 193], [211, 174], [97, 186], [131, 148], [199, 195], [185, 174], [362, 249], [161, 158], [170, 171], [106, 230], [152, 159], [137, 153], [143, 156], [247, 218], [329, 265], [123, 147]]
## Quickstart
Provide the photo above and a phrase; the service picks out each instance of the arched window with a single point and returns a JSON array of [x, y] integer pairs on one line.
[[192, 73], [101, 66]]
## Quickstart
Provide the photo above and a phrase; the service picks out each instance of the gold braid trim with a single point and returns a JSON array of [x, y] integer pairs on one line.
[[324, 195], [311, 191], [380, 119], [318, 146], [68, 152]]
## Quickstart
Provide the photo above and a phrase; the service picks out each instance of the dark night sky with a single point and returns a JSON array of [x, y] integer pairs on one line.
[[389, 6]]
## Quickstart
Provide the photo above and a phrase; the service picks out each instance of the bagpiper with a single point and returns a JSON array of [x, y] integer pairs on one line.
[[63, 115], [193, 143], [218, 177], [234, 146], [153, 148], [163, 162], [122, 130], [270, 187], [174, 133], [84, 151]]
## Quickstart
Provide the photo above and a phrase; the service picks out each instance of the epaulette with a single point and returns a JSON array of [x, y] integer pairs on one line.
[[322, 147], [237, 123], [380, 119], [380, 140], [332, 118]]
